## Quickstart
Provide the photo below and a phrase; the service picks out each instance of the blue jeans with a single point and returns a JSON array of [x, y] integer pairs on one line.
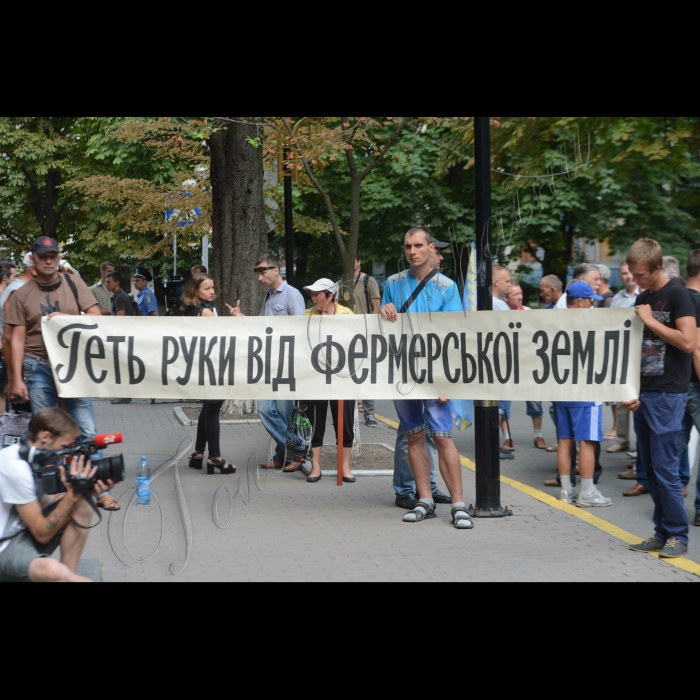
[[276, 417], [404, 481], [43, 394], [691, 419], [658, 423], [534, 409]]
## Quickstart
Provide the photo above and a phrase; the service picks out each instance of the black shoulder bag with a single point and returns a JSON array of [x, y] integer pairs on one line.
[[419, 290]]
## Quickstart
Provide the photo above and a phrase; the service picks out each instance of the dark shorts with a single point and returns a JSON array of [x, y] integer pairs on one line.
[[19, 555]]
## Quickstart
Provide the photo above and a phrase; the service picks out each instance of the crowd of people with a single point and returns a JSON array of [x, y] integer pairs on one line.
[[664, 414]]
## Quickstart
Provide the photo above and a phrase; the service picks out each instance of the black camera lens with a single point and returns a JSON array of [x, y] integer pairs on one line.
[[110, 469]]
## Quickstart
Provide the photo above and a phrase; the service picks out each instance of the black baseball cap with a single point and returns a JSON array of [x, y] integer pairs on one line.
[[45, 245], [143, 273], [440, 245]]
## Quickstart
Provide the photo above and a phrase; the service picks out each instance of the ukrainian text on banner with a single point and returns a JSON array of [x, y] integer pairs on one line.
[[527, 356]]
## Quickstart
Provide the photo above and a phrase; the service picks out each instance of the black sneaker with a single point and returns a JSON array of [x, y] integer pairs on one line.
[[371, 422], [674, 549], [507, 456], [697, 520], [121, 402], [406, 502]]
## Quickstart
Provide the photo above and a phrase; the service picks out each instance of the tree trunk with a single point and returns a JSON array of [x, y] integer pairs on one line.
[[238, 216], [239, 226], [239, 408], [353, 241]]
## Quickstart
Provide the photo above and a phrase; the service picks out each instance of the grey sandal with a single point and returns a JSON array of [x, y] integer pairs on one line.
[[461, 519], [421, 512]]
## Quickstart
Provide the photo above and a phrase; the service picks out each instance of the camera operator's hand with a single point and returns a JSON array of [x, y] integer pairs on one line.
[[79, 467], [101, 488]]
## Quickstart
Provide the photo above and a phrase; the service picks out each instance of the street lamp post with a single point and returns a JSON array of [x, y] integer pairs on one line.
[[486, 418]]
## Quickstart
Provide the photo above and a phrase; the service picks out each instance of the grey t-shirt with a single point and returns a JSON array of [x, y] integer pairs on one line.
[[366, 291], [11, 289]]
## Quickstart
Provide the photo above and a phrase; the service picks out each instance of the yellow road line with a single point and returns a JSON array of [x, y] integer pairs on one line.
[[603, 525]]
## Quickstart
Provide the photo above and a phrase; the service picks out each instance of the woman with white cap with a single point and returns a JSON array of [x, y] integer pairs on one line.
[[324, 295]]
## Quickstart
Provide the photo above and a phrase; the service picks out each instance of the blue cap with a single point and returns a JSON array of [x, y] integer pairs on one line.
[[582, 290]]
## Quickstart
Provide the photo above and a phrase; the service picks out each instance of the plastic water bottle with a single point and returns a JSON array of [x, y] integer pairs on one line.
[[143, 484]]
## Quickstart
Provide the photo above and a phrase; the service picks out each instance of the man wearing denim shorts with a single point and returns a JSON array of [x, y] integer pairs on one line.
[[439, 294]]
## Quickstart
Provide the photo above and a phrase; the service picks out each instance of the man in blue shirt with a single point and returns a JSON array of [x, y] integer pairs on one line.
[[146, 298], [421, 289]]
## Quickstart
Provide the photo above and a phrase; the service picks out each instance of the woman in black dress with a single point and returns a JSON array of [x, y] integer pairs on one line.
[[198, 300]]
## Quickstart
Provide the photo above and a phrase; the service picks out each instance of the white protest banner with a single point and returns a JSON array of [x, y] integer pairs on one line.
[[586, 355]]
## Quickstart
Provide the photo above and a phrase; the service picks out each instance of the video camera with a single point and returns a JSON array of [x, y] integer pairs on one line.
[[45, 466], [174, 289]]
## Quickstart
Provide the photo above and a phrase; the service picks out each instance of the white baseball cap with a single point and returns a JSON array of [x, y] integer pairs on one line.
[[28, 261], [324, 285]]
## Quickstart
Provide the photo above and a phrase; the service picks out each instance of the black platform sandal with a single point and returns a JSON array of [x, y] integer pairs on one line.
[[197, 461], [222, 465]]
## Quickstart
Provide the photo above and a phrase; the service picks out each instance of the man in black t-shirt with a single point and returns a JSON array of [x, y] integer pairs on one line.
[[122, 304], [692, 412], [668, 312]]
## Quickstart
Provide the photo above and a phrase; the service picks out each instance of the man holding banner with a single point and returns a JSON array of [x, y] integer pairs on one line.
[[668, 312], [424, 290]]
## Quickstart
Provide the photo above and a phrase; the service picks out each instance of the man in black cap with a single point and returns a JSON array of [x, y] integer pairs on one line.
[[436, 257], [47, 294], [146, 298]]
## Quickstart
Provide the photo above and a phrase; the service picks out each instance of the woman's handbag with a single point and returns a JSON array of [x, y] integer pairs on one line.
[[300, 434]]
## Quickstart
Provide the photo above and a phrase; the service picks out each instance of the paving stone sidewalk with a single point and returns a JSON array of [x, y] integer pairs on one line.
[[292, 531]]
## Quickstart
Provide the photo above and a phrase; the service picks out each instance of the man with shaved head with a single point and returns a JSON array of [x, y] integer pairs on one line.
[[501, 285]]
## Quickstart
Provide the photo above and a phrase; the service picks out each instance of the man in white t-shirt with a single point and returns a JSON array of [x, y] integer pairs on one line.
[[501, 286], [33, 526]]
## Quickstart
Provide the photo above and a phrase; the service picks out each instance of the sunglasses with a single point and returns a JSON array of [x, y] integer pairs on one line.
[[263, 270]]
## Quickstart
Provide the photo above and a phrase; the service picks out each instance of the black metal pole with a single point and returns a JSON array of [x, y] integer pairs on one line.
[[289, 217], [486, 419]]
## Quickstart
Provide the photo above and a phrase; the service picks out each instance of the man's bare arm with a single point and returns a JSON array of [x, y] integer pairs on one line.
[[19, 335], [681, 337], [44, 529], [95, 311], [376, 306], [696, 352]]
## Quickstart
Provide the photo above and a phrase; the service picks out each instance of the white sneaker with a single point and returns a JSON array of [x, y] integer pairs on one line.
[[566, 497], [595, 500]]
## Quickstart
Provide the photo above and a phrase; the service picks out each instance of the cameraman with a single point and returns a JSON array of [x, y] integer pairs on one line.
[[33, 526]]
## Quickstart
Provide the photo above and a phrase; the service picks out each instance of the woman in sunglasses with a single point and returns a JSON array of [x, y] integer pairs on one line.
[[324, 295], [198, 300]]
